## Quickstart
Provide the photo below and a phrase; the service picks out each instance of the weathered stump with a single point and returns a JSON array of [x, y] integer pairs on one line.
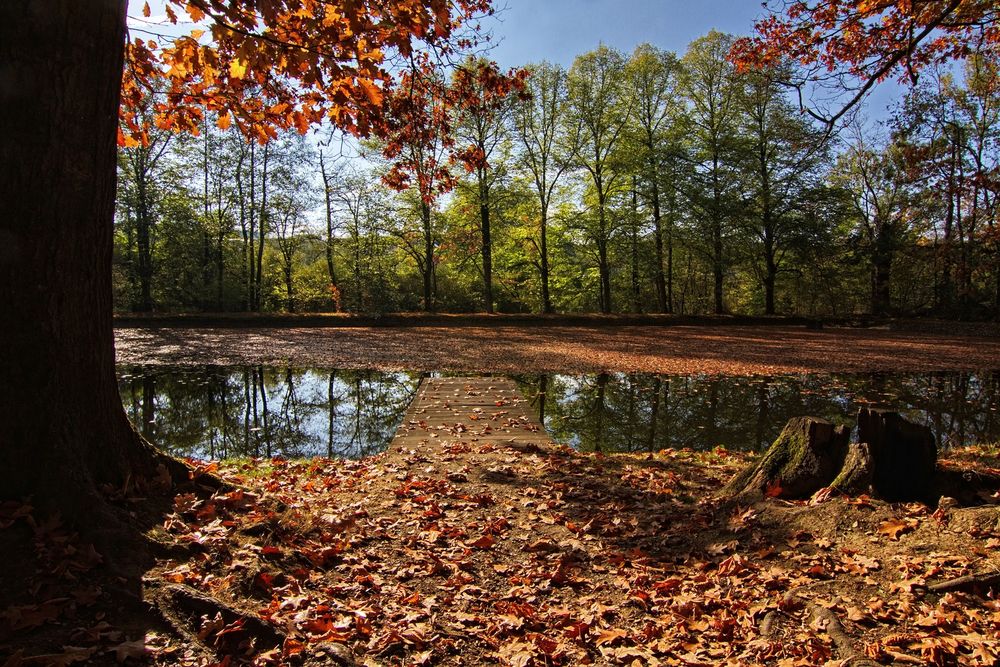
[[893, 459], [805, 458], [856, 475], [904, 455]]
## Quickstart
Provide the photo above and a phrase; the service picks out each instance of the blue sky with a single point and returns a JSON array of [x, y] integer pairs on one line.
[[528, 31], [559, 30]]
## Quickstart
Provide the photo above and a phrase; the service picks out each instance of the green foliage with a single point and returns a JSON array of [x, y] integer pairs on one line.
[[642, 183]]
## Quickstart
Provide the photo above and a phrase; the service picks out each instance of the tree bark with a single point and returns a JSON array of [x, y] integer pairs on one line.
[[805, 458], [904, 455], [66, 434], [484, 217], [546, 298]]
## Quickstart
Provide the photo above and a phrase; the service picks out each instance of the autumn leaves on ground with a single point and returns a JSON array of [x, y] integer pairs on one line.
[[460, 554]]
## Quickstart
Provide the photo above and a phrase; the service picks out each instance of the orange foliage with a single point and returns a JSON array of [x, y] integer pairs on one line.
[[280, 64], [870, 40]]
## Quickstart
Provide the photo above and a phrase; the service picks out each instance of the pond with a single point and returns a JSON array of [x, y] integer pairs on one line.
[[224, 412]]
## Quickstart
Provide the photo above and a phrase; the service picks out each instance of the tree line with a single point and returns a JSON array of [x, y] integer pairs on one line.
[[647, 182]]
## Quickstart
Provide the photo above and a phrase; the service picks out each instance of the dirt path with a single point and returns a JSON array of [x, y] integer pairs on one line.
[[735, 350]]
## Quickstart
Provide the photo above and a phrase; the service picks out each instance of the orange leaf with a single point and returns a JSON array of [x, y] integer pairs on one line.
[[145, 10], [609, 636], [893, 528]]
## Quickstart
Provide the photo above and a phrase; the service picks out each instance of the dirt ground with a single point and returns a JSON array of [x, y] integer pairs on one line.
[[734, 350], [458, 553]]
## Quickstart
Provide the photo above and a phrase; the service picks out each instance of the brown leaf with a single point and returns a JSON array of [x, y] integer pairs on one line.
[[609, 636], [893, 528]]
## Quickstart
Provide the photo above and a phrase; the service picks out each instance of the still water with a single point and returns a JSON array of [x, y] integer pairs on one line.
[[221, 412]]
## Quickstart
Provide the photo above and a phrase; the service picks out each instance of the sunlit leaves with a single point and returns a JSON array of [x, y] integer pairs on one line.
[[322, 60], [869, 40]]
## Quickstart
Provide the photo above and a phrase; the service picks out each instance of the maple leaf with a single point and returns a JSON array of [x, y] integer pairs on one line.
[[893, 528], [517, 654], [609, 636]]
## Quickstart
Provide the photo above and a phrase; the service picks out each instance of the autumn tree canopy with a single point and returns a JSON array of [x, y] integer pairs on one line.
[[274, 64], [856, 44]]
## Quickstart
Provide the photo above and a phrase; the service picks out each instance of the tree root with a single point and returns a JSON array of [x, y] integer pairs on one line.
[[822, 617], [186, 611], [841, 640], [966, 583]]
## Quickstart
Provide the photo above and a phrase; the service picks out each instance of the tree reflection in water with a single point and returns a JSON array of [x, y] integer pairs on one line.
[[632, 412], [217, 412]]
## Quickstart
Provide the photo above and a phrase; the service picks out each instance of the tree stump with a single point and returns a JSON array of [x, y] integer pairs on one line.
[[858, 471], [894, 460], [904, 455], [805, 458]]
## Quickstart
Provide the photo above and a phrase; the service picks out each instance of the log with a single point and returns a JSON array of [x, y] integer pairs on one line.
[[904, 455], [806, 457]]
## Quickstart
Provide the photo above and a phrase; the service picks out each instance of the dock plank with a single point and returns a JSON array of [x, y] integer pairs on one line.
[[469, 409]]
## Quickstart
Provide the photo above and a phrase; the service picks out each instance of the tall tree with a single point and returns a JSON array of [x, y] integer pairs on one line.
[[709, 81], [140, 171], [599, 105], [875, 179], [652, 79], [538, 121], [484, 97], [420, 145], [783, 156]]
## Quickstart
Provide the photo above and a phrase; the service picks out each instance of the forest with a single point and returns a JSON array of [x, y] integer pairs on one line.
[[645, 182]]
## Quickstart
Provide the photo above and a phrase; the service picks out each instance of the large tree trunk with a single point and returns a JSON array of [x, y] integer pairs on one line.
[[65, 433]]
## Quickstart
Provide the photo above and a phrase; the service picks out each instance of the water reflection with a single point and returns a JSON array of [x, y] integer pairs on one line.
[[216, 412], [223, 412], [630, 412]]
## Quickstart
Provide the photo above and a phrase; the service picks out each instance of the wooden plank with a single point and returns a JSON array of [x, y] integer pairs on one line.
[[469, 409]]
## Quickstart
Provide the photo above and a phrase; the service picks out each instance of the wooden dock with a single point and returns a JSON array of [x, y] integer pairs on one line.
[[471, 410]]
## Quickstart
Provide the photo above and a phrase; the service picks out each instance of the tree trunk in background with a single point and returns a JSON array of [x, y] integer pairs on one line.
[[546, 298], [329, 230], [425, 214], [258, 280], [881, 274], [636, 289], [659, 277], [484, 217], [602, 251], [65, 431], [143, 245]]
